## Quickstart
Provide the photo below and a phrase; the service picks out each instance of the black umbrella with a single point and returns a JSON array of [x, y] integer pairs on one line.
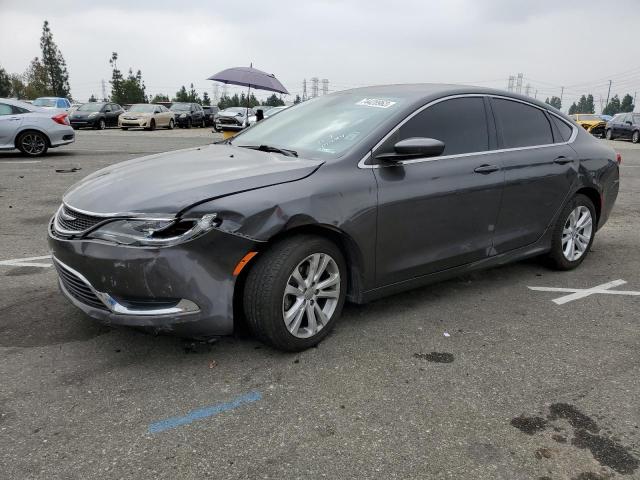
[[250, 77]]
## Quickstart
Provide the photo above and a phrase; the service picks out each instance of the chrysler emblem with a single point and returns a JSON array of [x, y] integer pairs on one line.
[[67, 217]]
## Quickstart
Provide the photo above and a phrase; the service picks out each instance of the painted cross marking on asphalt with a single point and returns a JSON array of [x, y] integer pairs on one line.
[[578, 293], [27, 262]]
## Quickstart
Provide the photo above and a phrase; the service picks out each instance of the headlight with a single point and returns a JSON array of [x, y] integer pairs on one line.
[[93, 114], [154, 233], [183, 115]]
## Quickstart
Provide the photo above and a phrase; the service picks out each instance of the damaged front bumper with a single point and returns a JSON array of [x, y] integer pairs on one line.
[[186, 289]]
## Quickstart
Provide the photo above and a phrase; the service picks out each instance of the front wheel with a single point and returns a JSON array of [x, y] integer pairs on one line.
[[32, 144], [189, 123], [635, 138], [101, 125], [152, 124], [124, 128], [203, 124], [295, 292], [609, 134], [171, 124], [573, 234]]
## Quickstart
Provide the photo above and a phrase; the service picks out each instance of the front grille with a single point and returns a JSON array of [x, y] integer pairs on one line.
[[228, 121], [78, 288], [76, 221]]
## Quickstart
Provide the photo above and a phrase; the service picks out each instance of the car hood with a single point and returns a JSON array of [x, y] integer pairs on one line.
[[230, 114], [591, 123], [168, 183], [136, 114], [77, 114]]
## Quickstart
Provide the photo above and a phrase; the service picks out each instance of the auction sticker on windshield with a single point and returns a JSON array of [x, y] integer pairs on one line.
[[376, 102]]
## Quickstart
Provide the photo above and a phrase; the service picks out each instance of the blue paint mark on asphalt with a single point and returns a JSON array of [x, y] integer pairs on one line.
[[205, 412]]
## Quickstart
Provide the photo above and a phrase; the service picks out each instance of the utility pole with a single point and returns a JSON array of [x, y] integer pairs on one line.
[[634, 101], [304, 90], [561, 95], [536, 94], [608, 93], [104, 91], [519, 83], [512, 80]]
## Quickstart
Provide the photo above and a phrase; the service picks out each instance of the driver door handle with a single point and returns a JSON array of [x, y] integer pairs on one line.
[[486, 169], [561, 160]]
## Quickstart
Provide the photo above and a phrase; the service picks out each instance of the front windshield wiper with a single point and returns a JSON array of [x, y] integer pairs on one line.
[[269, 148]]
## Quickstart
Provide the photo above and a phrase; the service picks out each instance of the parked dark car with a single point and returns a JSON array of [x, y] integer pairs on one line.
[[96, 115], [624, 125], [348, 196], [233, 118], [209, 114], [188, 114]]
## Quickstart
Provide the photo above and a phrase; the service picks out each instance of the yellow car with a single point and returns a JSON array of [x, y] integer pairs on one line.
[[591, 123]]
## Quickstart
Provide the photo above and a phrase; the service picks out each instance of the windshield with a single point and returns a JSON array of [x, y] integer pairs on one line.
[[236, 110], [142, 108], [45, 102], [589, 117], [180, 107], [325, 127], [90, 107], [636, 119]]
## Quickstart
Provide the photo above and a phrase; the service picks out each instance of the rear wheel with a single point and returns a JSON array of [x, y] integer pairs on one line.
[[609, 134], [124, 128], [295, 292], [635, 138], [203, 124], [32, 144], [574, 233]]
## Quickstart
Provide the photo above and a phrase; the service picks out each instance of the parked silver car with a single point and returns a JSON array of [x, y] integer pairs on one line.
[[32, 130]]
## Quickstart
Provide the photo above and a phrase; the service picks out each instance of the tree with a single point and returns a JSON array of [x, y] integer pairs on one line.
[[160, 97], [92, 98], [297, 100], [193, 95], [627, 104], [57, 77], [181, 95], [126, 90], [5, 83], [554, 102], [35, 80], [613, 106], [206, 101], [274, 101], [18, 88]]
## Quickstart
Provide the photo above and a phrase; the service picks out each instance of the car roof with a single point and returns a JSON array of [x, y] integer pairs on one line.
[[21, 104], [418, 94]]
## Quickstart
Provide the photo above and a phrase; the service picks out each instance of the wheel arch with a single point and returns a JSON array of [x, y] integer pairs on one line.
[[31, 129], [593, 195]]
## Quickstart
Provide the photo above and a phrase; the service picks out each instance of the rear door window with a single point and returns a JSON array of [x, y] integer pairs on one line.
[[522, 125], [562, 128], [5, 109], [460, 123]]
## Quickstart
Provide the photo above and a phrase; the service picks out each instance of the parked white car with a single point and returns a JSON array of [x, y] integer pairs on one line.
[[31, 129], [58, 104]]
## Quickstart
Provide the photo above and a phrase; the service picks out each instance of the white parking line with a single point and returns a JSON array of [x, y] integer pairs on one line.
[[20, 161], [578, 293], [27, 262]]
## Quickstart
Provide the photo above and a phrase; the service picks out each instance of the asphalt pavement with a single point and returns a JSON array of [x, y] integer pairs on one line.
[[479, 377]]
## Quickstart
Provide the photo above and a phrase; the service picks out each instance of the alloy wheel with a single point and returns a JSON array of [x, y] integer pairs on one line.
[[577, 232], [311, 295], [33, 144], [636, 137]]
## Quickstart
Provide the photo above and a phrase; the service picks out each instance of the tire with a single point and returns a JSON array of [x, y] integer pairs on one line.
[[265, 302], [635, 138], [203, 124], [75, 127], [32, 143], [101, 125], [564, 233], [189, 123], [171, 124], [152, 125], [124, 128], [608, 134]]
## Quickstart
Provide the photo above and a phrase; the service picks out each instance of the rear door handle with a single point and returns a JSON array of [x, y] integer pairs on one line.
[[561, 160], [486, 169]]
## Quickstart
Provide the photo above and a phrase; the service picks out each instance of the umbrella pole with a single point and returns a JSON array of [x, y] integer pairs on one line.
[[247, 112]]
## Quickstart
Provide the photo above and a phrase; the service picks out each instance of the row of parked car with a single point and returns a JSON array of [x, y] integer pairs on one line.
[[622, 125]]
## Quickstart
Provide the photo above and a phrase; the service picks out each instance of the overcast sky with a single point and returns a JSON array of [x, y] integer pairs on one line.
[[352, 43]]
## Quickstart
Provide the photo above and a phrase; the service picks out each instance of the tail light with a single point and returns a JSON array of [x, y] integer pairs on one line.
[[618, 158], [61, 118]]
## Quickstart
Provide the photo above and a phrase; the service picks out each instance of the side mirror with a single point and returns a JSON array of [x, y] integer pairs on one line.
[[107, 110], [416, 147], [628, 122]]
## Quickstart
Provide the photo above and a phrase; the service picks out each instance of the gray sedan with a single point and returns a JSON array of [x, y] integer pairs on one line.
[[349, 196], [32, 130]]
